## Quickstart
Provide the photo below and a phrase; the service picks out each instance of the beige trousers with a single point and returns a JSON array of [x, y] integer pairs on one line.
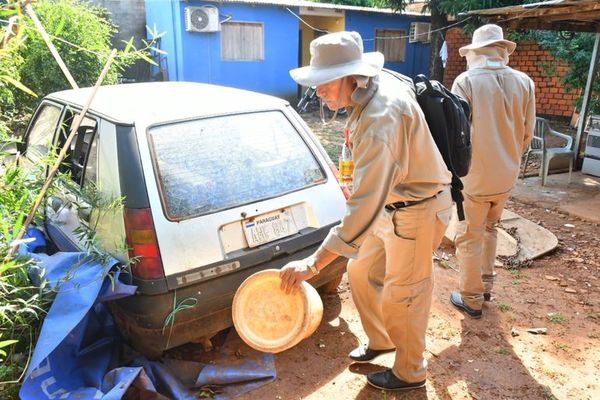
[[476, 239], [392, 281]]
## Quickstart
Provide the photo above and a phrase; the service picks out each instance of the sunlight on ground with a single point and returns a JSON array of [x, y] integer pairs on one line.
[[591, 182]]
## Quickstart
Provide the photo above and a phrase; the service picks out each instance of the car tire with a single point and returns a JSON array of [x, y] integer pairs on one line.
[[331, 286]]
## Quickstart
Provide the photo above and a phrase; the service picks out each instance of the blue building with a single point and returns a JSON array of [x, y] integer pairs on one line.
[[252, 44]]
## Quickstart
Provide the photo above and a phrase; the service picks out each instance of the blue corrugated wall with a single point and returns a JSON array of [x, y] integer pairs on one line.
[[197, 56]]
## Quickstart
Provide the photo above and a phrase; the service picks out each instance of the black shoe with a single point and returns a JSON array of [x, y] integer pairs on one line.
[[386, 380], [363, 354], [487, 297], [457, 302]]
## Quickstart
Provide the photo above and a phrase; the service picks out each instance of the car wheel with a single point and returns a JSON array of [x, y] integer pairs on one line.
[[331, 286]]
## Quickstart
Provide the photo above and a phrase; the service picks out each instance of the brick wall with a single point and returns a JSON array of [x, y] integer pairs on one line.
[[551, 97]]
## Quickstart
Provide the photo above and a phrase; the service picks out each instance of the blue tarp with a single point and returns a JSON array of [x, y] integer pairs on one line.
[[78, 350]]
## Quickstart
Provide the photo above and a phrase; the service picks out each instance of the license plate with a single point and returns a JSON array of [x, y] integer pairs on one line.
[[269, 227]]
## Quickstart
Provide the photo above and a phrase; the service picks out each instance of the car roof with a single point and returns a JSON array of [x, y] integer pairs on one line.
[[156, 102]]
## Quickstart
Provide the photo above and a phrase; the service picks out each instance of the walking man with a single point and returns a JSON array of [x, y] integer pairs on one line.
[[502, 104], [397, 213]]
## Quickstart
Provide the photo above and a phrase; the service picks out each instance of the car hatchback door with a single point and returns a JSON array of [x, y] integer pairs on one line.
[[231, 184]]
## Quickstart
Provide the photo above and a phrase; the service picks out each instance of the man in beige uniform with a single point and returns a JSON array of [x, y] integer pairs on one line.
[[502, 121], [397, 213]]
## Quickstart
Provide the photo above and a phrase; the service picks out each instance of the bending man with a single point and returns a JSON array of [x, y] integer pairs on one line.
[[398, 210]]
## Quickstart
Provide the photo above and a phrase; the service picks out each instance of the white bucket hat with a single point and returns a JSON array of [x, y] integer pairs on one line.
[[335, 56], [488, 35]]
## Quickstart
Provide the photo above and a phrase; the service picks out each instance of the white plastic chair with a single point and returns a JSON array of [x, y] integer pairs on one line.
[[538, 146]]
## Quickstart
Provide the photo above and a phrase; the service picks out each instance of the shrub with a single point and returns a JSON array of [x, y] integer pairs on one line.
[[73, 21]]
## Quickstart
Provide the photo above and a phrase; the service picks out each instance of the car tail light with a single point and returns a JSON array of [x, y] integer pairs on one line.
[[142, 243], [345, 189]]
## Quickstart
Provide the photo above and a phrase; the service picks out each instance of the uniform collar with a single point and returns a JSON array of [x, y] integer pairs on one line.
[[365, 90]]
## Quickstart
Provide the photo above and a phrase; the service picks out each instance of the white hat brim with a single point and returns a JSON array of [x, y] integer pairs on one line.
[[370, 65], [510, 46]]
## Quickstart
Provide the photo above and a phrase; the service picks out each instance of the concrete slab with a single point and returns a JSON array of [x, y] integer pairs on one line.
[[580, 198], [519, 239]]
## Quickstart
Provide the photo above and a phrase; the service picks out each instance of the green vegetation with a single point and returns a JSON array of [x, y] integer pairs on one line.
[[557, 318], [503, 350], [28, 71], [561, 346], [81, 33], [504, 307], [22, 306]]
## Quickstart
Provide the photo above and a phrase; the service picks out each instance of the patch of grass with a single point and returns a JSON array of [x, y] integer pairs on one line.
[[516, 282], [555, 376], [557, 318], [515, 272], [504, 307], [561, 346], [503, 350]]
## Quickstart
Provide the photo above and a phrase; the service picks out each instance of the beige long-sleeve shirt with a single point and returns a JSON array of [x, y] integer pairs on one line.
[[395, 159], [502, 104]]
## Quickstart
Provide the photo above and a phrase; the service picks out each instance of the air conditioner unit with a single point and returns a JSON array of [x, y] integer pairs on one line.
[[202, 19], [420, 32]]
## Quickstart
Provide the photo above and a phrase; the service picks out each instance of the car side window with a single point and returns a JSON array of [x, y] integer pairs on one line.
[[91, 166], [41, 132], [81, 158]]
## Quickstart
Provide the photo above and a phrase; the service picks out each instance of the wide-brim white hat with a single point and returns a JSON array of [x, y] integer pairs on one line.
[[488, 35], [335, 56]]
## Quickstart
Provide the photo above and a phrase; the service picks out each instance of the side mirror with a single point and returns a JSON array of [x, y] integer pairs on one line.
[[84, 213], [56, 203]]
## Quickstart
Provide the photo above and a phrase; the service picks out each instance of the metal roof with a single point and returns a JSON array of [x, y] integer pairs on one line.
[[315, 5], [154, 102], [555, 15]]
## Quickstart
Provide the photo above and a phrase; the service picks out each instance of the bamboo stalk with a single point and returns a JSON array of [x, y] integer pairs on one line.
[[61, 156], [50, 45]]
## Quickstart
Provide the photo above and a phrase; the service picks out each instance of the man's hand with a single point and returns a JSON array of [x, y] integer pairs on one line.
[[293, 274]]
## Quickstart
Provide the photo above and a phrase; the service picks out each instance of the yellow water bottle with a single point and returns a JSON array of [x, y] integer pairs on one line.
[[346, 163]]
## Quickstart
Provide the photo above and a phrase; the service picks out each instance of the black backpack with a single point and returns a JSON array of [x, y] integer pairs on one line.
[[448, 117]]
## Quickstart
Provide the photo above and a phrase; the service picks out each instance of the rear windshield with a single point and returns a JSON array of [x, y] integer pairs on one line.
[[221, 162]]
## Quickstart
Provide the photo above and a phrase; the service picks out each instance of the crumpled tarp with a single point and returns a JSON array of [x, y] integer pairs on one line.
[[77, 355]]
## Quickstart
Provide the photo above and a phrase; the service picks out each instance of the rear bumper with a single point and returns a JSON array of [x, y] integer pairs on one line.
[[144, 319]]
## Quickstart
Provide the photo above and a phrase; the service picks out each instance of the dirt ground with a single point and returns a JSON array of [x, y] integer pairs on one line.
[[491, 358]]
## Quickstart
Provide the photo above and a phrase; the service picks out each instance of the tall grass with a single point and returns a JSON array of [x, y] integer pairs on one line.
[[22, 306]]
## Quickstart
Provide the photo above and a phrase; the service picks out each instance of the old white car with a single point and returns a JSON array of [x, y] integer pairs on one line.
[[217, 184]]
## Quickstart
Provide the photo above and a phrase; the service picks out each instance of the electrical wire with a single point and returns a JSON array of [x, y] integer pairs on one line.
[[378, 37], [306, 23], [462, 21]]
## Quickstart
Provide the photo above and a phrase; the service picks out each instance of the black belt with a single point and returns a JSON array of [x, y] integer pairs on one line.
[[403, 204]]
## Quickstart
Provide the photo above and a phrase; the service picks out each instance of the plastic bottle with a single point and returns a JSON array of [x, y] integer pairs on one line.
[[346, 164]]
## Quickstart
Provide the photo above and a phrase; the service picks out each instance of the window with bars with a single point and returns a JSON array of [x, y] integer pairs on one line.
[[392, 43], [242, 41]]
